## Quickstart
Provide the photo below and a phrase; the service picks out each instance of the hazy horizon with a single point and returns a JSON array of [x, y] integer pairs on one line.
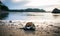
[[47, 5]]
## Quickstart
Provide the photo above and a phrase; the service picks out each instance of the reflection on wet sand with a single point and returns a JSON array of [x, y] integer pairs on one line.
[[13, 29]]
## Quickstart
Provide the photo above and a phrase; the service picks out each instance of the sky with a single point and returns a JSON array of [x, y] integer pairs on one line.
[[47, 5]]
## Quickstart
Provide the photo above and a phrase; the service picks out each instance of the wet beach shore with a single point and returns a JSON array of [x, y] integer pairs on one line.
[[10, 29]]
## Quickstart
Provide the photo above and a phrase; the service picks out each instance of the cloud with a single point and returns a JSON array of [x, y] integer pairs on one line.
[[16, 1], [42, 2], [2, 0]]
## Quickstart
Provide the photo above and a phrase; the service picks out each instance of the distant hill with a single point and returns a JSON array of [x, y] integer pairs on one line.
[[56, 10], [29, 10], [3, 7]]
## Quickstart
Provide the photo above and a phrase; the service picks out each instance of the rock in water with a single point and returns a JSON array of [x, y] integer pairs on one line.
[[29, 26]]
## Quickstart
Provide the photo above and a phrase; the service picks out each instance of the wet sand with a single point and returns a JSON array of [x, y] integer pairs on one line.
[[14, 30]]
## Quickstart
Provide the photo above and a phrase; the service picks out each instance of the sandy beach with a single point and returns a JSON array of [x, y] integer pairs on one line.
[[9, 29]]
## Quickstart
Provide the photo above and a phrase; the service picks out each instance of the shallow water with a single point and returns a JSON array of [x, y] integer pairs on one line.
[[32, 16]]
